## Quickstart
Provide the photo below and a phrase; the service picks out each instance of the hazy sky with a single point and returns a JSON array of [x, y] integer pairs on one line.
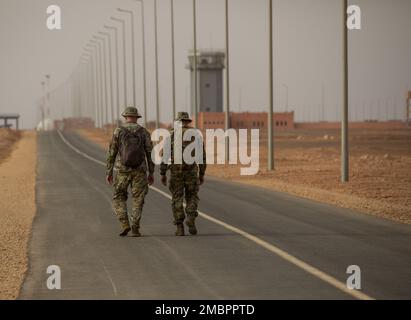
[[308, 48]]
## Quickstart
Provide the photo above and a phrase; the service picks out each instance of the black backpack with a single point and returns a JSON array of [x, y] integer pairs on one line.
[[132, 147]]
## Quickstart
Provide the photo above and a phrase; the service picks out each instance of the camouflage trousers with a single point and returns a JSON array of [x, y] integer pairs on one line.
[[184, 185], [137, 180]]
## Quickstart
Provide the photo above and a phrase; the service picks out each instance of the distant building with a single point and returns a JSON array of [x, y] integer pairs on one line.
[[246, 120], [6, 117], [210, 65], [74, 123]]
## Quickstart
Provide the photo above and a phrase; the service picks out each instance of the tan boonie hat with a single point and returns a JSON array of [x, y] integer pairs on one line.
[[131, 112], [183, 116]]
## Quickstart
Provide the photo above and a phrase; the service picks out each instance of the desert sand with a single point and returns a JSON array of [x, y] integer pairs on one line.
[[17, 197]]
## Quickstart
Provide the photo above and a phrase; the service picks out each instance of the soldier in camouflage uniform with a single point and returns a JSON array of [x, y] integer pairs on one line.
[[126, 176], [185, 180]]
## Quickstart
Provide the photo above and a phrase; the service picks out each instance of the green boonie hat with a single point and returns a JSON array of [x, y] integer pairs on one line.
[[183, 116], [131, 112]]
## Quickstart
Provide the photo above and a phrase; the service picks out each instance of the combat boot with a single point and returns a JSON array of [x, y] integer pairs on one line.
[[125, 230], [180, 230], [135, 232], [191, 225]]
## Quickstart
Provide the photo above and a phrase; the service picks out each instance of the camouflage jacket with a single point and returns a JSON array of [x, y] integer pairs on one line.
[[113, 155], [201, 167]]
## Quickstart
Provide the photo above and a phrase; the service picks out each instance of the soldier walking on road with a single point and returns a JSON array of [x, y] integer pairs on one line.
[[185, 180], [131, 145]]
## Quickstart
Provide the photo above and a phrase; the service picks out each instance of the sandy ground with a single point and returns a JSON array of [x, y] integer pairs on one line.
[[308, 165], [7, 139], [17, 198]]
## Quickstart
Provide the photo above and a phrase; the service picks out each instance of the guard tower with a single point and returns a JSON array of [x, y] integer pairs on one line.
[[210, 65]]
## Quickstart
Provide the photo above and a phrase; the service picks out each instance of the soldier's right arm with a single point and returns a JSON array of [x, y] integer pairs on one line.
[[148, 149], [112, 152]]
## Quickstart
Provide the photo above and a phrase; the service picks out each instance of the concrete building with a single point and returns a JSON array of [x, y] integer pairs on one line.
[[246, 120], [210, 65]]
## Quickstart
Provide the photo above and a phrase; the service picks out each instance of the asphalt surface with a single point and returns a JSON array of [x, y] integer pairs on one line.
[[264, 245]]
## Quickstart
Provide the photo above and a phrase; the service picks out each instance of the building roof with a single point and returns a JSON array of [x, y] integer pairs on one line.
[[9, 116]]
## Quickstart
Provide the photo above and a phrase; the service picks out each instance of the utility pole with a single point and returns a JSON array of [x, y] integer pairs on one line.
[[156, 54], [123, 24], [227, 54], [143, 39], [43, 85], [93, 80], [47, 95], [344, 120], [195, 65], [99, 85], [105, 75], [270, 158], [133, 53], [286, 96], [173, 72], [110, 62], [322, 103], [103, 88], [117, 72]]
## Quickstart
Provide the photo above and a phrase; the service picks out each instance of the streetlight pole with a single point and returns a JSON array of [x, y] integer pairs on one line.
[[85, 84], [156, 53], [101, 64], [43, 85], [79, 93], [111, 73], [227, 110], [123, 24], [323, 102], [144, 62], [286, 96], [173, 72], [99, 86], [117, 73], [133, 54], [344, 120], [48, 95], [105, 75], [195, 64], [270, 162], [93, 80]]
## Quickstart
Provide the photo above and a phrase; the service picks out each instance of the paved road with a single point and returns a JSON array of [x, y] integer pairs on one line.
[[263, 245]]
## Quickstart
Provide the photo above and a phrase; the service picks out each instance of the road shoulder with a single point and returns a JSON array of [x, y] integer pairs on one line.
[[17, 196]]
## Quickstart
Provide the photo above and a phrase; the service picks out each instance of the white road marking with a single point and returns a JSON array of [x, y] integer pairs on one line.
[[113, 285], [270, 247]]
